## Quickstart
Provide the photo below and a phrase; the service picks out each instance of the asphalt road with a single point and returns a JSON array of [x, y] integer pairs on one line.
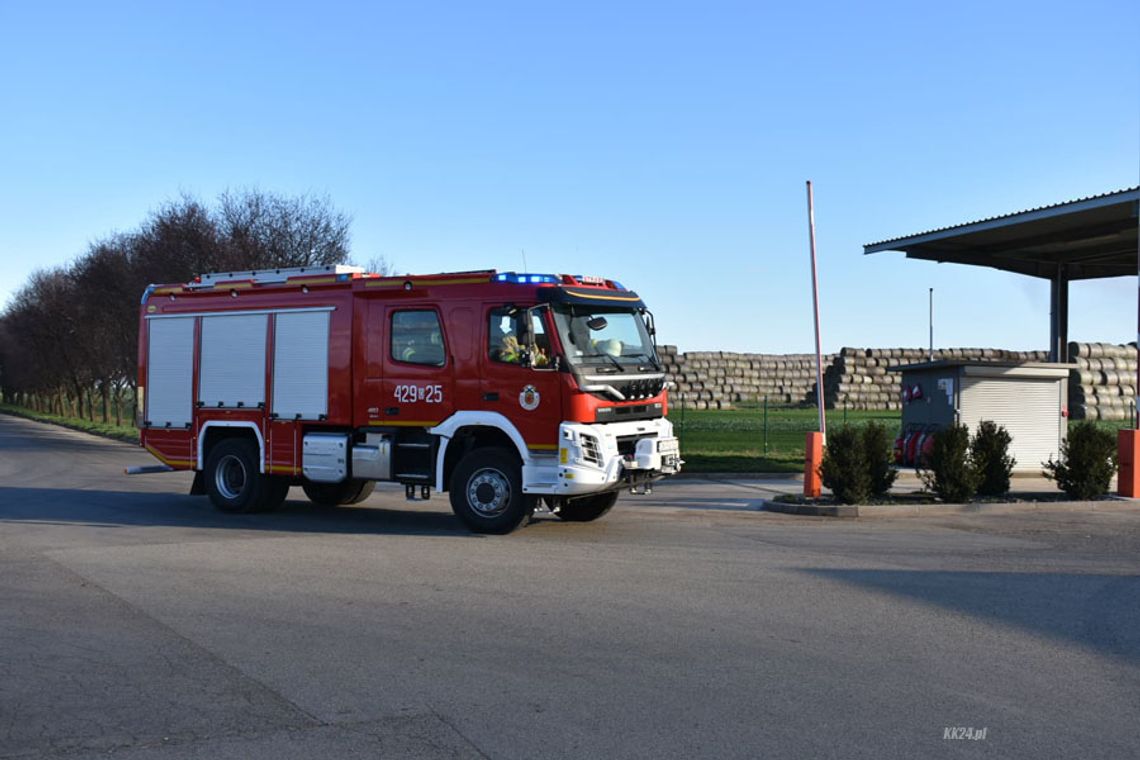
[[136, 622]]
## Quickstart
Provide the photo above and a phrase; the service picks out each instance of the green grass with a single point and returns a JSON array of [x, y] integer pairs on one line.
[[127, 433], [733, 440]]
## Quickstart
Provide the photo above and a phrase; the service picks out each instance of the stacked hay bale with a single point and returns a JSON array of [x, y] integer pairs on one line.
[[1103, 384], [868, 378], [719, 379]]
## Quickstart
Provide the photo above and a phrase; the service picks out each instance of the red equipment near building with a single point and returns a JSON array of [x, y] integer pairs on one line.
[[500, 388]]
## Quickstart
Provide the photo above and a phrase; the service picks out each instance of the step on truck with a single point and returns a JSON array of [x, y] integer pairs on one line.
[[499, 388]]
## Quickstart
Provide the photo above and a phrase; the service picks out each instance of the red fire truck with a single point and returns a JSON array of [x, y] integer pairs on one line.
[[500, 388]]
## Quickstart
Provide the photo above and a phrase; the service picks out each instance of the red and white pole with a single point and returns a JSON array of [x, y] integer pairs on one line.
[[815, 305], [813, 446]]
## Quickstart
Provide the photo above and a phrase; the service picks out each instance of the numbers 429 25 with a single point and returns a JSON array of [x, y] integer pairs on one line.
[[410, 394]]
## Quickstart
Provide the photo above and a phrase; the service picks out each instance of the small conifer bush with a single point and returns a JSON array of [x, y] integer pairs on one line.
[[989, 450], [879, 453], [1087, 463], [844, 467], [950, 472]]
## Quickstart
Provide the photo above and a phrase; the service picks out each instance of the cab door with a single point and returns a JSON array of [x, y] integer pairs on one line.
[[524, 388], [417, 386], [368, 362]]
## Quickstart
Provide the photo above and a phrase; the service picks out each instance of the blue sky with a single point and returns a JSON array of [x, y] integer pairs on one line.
[[662, 144]]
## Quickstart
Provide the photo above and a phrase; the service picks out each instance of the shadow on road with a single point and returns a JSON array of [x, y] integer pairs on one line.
[[127, 508], [694, 502], [1101, 612]]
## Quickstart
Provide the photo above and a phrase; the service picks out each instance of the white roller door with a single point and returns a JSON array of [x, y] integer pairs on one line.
[[301, 365], [169, 371], [1029, 409], [233, 360]]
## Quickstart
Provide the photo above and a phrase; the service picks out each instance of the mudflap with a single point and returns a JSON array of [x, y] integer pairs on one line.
[[198, 487]]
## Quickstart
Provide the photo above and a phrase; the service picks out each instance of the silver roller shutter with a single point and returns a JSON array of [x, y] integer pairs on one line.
[[301, 365], [169, 371], [233, 360], [1027, 408]]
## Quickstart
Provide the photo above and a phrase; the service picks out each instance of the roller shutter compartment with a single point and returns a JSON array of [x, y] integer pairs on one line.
[[301, 365], [170, 372], [1028, 409], [233, 360]]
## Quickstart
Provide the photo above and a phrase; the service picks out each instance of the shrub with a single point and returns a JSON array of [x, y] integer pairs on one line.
[[844, 467], [989, 450], [951, 474], [878, 448], [1087, 464]]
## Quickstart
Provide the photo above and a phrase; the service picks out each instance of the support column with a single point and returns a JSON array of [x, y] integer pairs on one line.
[[1059, 316], [1063, 314]]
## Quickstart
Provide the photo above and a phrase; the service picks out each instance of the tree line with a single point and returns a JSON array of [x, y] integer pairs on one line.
[[69, 336]]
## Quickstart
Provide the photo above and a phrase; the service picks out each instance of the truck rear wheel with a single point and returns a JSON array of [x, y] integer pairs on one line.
[[587, 508], [486, 492], [276, 492], [233, 481], [352, 491]]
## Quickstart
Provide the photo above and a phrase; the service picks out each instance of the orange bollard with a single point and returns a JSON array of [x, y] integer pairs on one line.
[[1128, 480], [813, 456]]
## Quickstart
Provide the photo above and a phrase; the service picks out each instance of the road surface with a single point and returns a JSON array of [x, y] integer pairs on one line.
[[138, 622]]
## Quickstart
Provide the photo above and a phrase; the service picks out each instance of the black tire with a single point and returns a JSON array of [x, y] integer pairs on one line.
[[233, 481], [338, 494], [276, 493], [587, 508], [486, 492]]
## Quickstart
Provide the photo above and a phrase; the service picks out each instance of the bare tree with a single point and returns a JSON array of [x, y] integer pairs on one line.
[[378, 265], [177, 242], [73, 331], [43, 326], [107, 301], [265, 230]]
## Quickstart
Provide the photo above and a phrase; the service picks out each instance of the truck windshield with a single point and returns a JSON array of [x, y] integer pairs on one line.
[[614, 337]]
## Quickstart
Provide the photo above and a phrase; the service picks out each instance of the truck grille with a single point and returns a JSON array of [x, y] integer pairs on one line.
[[644, 388]]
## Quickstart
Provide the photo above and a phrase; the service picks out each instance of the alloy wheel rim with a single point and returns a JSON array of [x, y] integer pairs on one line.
[[230, 477], [489, 492]]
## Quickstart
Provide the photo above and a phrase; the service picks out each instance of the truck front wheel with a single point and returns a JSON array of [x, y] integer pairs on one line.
[[233, 481], [587, 508], [486, 492], [352, 491]]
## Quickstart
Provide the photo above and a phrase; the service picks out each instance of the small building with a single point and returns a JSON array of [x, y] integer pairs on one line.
[[1027, 399], [1082, 239]]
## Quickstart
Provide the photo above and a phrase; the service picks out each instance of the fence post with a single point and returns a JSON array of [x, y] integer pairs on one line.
[[765, 426]]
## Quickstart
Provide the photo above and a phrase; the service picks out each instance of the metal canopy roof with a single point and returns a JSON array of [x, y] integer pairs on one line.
[[1087, 238]]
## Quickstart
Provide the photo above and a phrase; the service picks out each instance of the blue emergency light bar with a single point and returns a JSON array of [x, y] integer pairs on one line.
[[524, 278], [528, 278]]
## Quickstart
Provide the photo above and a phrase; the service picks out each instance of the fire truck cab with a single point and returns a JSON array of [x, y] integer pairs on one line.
[[500, 388]]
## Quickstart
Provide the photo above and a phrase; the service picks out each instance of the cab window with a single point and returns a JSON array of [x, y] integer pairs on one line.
[[417, 338], [508, 337]]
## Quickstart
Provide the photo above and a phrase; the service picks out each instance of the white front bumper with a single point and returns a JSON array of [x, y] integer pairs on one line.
[[589, 460]]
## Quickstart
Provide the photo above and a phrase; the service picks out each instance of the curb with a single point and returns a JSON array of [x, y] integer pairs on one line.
[[1109, 504], [811, 510]]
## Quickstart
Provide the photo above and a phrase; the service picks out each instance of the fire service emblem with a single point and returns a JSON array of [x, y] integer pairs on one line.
[[529, 399]]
